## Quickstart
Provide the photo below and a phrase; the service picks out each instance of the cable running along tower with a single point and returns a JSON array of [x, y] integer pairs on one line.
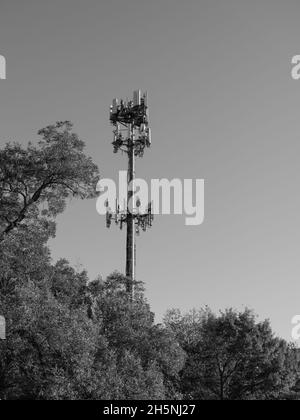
[[131, 136]]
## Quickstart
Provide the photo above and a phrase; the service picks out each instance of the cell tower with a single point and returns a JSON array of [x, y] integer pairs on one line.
[[131, 136]]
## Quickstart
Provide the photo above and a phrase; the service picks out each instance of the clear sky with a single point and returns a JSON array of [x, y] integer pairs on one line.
[[223, 107]]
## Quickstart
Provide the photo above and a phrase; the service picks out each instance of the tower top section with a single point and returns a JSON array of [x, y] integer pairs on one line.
[[133, 112], [131, 121]]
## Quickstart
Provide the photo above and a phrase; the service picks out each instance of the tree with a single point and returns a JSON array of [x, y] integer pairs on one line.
[[49, 348], [71, 339], [36, 181], [68, 338], [51, 343], [234, 358], [128, 326]]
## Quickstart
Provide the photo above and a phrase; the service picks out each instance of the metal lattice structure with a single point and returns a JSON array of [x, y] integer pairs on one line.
[[132, 136]]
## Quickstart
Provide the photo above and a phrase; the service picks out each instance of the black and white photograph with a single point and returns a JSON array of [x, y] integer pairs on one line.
[[149, 203]]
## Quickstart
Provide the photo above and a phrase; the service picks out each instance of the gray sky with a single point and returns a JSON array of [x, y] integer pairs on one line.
[[223, 108]]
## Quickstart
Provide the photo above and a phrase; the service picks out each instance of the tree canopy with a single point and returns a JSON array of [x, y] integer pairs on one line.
[[232, 356], [68, 337], [72, 337], [36, 181]]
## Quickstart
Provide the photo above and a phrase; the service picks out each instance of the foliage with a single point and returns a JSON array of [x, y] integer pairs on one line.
[[231, 356], [36, 181], [129, 329], [70, 338]]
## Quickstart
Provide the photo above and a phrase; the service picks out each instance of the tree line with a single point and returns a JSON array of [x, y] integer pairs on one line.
[[70, 337]]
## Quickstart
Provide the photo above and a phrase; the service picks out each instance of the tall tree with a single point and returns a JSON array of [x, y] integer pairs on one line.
[[234, 357], [130, 330], [51, 343], [36, 181]]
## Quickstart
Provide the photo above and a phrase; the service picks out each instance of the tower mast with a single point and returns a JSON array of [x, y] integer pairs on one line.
[[131, 135], [130, 240]]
